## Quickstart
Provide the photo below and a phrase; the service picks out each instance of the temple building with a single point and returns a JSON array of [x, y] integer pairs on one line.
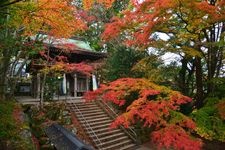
[[69, 84]]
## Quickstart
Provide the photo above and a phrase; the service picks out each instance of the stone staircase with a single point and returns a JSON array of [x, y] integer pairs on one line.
[[96, 123]]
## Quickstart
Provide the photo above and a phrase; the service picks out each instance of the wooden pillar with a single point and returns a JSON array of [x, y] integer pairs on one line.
[[94, 83], [38, 85], [75, 85], [87, 83]]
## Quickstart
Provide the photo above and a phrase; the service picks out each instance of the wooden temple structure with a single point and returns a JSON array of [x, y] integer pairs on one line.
[[72, 84]]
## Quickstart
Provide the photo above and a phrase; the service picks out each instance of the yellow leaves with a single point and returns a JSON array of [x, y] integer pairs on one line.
[[106, 3], [149, 68], [87, 4], [205, 133], [53, 69], [191, 51]]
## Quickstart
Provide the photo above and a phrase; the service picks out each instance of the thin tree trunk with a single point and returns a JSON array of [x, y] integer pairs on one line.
[[44, 80], [190, 81], [182, 76], [199, 83], [220, 54], [212, 60], [42, 90], [219, 65], [4, 66]]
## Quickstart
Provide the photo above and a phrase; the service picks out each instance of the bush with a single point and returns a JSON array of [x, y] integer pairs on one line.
[[14, 130], [41, 118], [7, 123], [157, 107], [210, 121]]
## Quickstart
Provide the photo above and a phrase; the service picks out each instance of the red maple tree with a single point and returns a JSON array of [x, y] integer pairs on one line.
[[60, 63], [156, 106]]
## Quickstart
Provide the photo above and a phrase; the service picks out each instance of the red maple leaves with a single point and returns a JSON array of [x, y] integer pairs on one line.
[[59, 63], [147, 17], [173, 136], [78, 67], [156, 106]]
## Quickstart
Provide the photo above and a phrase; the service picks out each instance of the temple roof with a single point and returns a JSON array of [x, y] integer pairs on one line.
[[75, 51], [80, 44], [77, 54]]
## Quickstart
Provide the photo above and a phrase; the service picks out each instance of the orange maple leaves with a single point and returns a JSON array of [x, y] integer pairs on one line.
[[53, 17], [58, 18], [87, 4]]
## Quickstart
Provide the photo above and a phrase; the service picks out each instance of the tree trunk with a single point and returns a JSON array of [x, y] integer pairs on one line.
[[211, 63], [199, 83], [190, 81], [42, 90], [4, 66], [182, 76], [44, 80]]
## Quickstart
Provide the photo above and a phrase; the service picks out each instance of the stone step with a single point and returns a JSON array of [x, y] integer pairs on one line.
[[85, 104], [96, 119], [117, 135], [117, 146], [108, 132], [115, 140], [88, 108], [91, 111], [130, 146], [90, 114], [102, 126], [87, 112], [100, 122], [105, 129]]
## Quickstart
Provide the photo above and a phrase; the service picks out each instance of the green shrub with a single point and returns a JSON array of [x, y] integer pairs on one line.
[[41, 118], [209, 123], [13, 134], [7, 124]]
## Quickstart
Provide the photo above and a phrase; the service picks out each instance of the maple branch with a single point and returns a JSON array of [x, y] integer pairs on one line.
[[10, 3], [206, 35], [182, 19], [3, 12], [57, 56]]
